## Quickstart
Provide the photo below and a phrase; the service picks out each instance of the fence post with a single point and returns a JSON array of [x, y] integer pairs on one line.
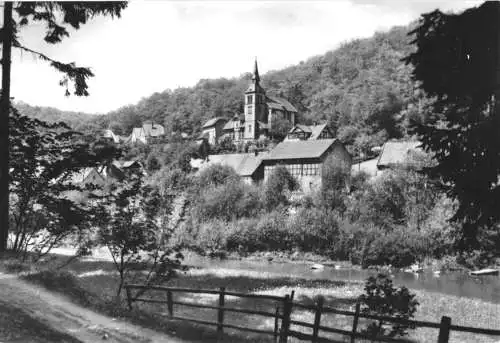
[[220, 315], [444, 330], [276, 321], [129, 298], [317, 319], [285, 323], [170, 303], [355, 322]]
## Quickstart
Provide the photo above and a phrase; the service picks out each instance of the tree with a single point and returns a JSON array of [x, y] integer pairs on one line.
[[335, 177], [279, 128], [456, 63], [128, 218], [44, 159], [58, 16], [278, 186]]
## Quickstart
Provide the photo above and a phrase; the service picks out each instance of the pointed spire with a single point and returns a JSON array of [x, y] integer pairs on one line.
[[256, 76]]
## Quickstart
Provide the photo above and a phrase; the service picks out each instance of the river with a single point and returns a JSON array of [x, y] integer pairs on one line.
[[460, 284]]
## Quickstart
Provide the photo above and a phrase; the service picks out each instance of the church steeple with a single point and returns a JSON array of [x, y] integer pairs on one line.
[[255, 106], [256, 77]]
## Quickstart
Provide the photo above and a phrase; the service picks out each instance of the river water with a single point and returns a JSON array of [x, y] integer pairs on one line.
[[459, 284]]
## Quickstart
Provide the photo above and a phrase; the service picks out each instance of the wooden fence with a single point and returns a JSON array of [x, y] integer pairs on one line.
[[283, 312]]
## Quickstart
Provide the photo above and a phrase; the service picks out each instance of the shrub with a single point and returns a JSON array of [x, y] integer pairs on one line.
[[228, 201], [243, 237], [272, 232], [212, 236], [383, 299], [335, 177], [277, 187], [215, 175], [315, 230]]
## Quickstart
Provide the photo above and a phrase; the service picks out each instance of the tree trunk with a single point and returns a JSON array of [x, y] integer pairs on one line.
[[4, 125]]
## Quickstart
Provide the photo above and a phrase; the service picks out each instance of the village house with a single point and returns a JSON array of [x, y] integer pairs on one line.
[[212, 130], [148, 133], [393, 153], [304, 159], [309, 132], [396, 153], [247, 166], [260, 111]]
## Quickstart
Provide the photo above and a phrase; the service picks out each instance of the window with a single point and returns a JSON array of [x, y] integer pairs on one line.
[[250, 110], [249, 128], [249, 99]]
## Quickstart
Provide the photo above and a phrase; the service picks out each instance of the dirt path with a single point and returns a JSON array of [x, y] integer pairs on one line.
[[66, 321]]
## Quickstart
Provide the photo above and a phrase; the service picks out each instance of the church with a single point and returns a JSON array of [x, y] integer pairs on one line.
[[261, 111]]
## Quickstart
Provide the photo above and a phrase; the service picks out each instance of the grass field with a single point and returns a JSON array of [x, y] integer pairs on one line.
[[93, 283]]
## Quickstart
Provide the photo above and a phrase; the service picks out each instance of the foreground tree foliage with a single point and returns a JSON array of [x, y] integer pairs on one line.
[[58, 17], [456, 64], [129, 217], [44, 158], [383, 299]]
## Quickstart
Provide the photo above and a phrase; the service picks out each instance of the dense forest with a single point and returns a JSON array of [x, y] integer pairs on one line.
[[362, 89]]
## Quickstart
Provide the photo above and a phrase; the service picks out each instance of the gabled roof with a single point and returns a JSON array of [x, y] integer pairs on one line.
[[300, 149], [153, 130], [394, 152], [303, 128], [283, 102], [316, 130], [243, 164], [83, 174], [212, 122]]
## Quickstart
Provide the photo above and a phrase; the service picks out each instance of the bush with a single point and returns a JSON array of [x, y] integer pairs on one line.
[[228, 201], [314, 230], [383, 299], [243, 237], [277, 188], [215, 175]]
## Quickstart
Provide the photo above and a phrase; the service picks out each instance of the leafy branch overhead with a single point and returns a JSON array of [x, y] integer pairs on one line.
[[59, 17]]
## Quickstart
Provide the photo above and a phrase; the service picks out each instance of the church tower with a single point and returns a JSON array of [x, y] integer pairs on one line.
[[255, 106]]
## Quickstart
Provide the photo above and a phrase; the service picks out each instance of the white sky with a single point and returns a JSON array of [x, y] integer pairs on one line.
[[157, 45]]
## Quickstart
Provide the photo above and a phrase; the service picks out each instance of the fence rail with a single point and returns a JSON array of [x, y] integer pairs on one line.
[[282, 314]]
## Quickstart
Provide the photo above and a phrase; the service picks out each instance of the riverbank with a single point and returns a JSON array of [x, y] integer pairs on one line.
[[92, 283], [445, 264]]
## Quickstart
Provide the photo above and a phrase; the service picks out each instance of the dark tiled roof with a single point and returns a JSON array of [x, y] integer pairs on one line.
[[300, 149], [213, 121], [394, 152], [285, 103]]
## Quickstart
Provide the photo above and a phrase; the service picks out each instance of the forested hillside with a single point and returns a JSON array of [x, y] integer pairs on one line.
[[53, 115], [362, 89]]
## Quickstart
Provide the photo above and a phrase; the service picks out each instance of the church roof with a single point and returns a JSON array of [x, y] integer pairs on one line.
[[283, 102], [300, 149]]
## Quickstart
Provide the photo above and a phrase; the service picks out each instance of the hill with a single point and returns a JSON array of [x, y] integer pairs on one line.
[[52, 115], [362, 89]]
